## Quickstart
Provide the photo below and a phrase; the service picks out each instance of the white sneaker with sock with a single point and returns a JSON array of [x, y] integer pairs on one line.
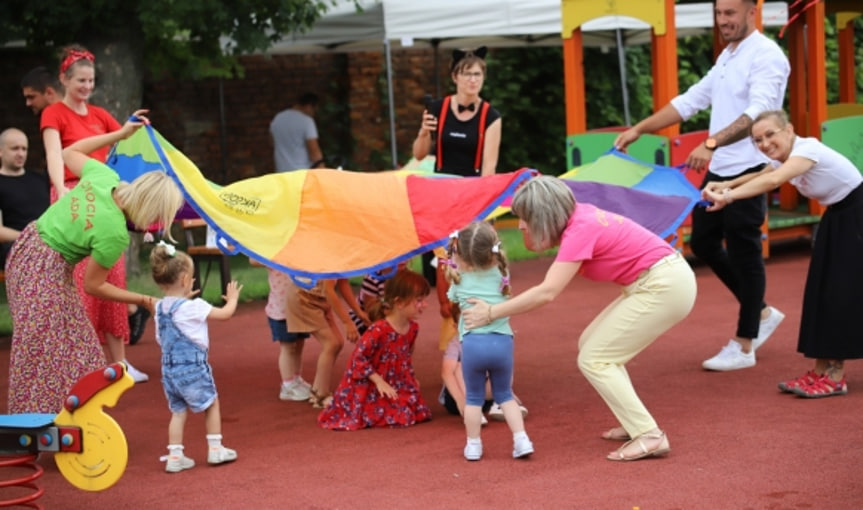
[[473, 449], [136, 374], [220, 455], [731, 357], [177, 463], [521, 447], [767, 327], [297, 390]]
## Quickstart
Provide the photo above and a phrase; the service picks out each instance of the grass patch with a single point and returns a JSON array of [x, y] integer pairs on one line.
[[254, 278]]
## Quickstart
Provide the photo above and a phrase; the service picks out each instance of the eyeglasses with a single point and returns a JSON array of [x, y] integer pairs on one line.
[[476, 75], [758, 140]]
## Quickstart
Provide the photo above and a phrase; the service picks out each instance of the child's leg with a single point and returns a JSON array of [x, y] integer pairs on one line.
[[213, 418], [216, 453], [290, 359], [177, 461], [453, 380], [175, 428], [331, 345]]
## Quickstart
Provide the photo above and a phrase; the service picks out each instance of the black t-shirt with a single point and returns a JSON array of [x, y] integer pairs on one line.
[[22, 200], [459, 140]]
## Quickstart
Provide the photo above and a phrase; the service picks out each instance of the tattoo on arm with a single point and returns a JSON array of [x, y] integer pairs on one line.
[[737, 130]]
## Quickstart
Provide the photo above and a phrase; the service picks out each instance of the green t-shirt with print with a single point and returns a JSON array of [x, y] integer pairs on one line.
[[87, 221]]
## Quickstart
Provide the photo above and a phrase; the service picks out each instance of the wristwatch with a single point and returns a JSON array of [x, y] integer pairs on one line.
[[710, 144]]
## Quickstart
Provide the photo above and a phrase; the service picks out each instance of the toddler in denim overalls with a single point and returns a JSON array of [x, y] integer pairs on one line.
[[181, 331]]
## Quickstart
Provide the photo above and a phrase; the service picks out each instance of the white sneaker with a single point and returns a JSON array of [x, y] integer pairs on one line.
[[221, 455], [473, 450], [136, 374], [731, 357], [496, 413], [297, 390], [483, 420], [521, 447], [176, 464], [767, 327]]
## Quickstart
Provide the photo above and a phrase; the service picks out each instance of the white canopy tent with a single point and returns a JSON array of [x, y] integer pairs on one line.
[[392, 24]]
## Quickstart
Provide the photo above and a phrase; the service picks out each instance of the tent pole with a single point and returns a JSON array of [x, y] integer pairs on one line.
[[391, 101], [436, 48], [621, 59]]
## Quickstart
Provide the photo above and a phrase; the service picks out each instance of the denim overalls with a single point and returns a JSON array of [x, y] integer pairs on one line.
[[186, 374]]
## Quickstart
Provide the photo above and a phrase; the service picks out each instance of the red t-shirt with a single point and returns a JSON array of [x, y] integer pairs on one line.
[[73, 127]]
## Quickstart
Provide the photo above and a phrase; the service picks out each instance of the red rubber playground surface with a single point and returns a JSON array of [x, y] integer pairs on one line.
[[736, 441]]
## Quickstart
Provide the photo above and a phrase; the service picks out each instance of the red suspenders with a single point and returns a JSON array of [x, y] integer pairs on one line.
[[483, 113]]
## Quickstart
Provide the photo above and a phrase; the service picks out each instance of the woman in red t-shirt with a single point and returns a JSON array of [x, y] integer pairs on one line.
[[64, 123]]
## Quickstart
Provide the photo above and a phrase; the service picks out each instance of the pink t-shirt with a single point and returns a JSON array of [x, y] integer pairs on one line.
[[611, 247]]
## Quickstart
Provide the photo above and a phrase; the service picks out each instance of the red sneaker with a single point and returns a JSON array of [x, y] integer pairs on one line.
[[804, 380], [823, 387]]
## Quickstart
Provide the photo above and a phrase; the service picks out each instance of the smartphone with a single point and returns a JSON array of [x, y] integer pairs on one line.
[[427, 99]]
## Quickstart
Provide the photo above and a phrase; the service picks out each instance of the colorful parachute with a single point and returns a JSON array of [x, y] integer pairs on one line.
[[323, 223], [657, 197]]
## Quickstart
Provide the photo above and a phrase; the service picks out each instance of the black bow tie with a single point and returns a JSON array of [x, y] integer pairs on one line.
[[471, 107]]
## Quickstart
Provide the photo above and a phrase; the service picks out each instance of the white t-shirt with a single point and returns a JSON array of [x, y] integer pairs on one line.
[[832, 177], [290, 129], [749, 79], [190, 318]]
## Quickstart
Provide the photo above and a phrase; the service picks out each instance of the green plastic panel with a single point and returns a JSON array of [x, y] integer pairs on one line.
[[587, 147], [845, 135]]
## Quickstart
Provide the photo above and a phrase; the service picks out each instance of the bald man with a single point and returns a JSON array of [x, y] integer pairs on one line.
[[40, 88], [24, 195]]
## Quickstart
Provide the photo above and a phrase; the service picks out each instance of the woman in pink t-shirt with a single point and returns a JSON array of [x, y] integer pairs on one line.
[[64, 123], [658, 291]]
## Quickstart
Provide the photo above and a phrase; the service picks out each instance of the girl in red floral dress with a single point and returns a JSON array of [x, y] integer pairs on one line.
[[379, 387]]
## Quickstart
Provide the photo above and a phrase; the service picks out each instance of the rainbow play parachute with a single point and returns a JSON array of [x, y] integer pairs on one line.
[[322, 223]]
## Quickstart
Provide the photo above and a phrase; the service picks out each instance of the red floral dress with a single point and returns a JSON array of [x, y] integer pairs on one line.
[[356, 402]]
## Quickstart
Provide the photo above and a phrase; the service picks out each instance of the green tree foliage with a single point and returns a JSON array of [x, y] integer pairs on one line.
[[192, 38]]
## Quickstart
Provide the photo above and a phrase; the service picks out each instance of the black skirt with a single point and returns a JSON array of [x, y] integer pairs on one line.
[[831, 326]]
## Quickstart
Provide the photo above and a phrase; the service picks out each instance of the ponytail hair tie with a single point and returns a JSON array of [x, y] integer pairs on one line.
[[496, 247]]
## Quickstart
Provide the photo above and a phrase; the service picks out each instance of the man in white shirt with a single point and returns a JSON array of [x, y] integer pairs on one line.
[[295, 136], [749, 77]]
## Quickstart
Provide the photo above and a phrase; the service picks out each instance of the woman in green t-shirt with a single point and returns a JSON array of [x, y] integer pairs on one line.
[[53, 342]]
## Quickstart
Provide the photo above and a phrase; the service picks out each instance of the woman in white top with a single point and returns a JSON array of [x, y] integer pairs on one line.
[[830, 322]]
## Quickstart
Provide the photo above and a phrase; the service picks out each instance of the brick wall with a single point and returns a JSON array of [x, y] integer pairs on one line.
[[353, 120]]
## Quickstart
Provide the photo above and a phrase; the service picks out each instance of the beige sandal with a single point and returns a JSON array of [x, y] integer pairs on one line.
[[662, 447]]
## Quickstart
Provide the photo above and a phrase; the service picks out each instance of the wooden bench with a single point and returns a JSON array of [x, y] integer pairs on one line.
[[196, 229]]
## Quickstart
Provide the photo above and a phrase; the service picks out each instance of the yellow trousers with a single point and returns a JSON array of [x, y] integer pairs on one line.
[[661, 297]]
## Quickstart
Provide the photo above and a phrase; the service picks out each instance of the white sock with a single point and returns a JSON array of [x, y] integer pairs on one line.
[[175, 450], [214, 440], [474, 440], [518, 435]]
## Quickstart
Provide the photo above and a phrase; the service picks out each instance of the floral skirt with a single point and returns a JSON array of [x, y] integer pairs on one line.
[[53, 342]]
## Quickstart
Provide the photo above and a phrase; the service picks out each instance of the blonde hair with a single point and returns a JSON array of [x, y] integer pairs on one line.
[[778, 115], [151, 198], [167, 264], [545, 203], [478, 246], [403, 286]]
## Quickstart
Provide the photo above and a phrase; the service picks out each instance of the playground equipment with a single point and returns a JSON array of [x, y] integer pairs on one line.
[[89, 447], [807, 89]]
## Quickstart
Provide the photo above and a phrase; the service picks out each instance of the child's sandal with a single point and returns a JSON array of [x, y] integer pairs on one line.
[[319, 401]]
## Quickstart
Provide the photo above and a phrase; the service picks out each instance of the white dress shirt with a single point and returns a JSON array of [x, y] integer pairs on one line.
[[750, 78]]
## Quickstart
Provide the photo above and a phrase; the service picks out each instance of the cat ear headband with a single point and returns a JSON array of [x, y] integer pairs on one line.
[[458, 55]]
